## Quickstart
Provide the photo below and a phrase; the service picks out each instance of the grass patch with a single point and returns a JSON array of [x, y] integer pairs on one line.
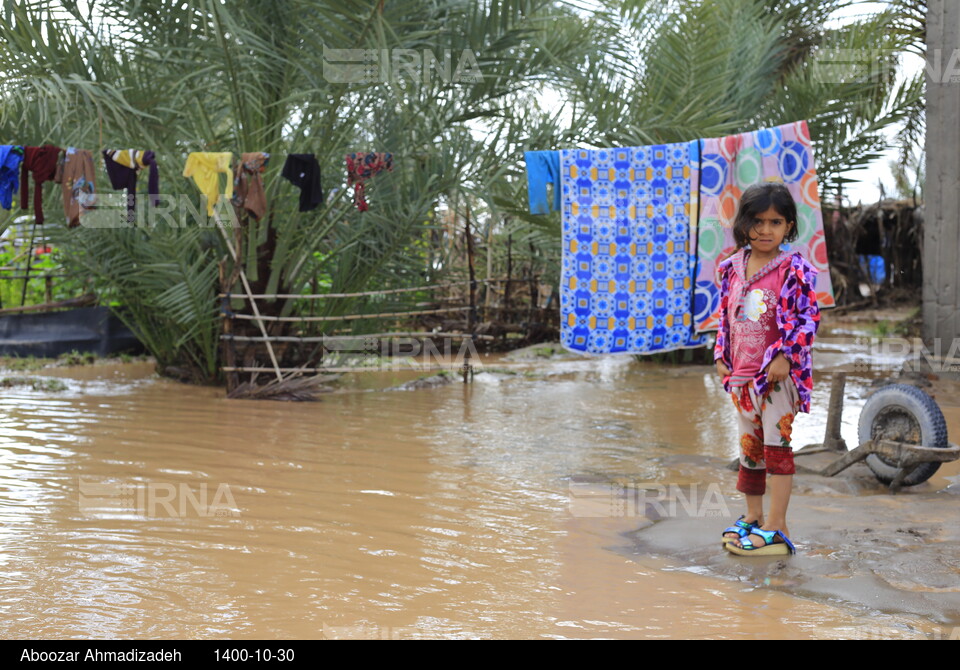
[[28, 363], [497, 371], [76, 358], [908, 327], [24, 363], [35, 383], [529, 374], [128, 358]]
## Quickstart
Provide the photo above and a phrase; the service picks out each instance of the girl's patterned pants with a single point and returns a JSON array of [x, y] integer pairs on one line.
[[765, 425]]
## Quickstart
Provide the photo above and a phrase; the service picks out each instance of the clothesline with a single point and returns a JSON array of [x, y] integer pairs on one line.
[[74, 170], [347, 317], [643, 229], [322, 296]]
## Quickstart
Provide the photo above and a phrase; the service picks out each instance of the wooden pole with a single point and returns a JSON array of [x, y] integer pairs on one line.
[[227, 351], [472, 312], [533, 293], [941, 226], [831, 438], [486, 287], [506, 288], [253, 303], [26, 276]]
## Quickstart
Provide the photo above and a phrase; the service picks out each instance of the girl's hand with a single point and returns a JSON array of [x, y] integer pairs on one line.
[[722, 369], [779, 369]]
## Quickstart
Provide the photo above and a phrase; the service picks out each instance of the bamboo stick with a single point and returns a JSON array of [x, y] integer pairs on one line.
[[417, 368], [320, 296], [227, 351], [337, 338], [80, 301], [486, 290], [506, 290], [346, 317], [253, 303]]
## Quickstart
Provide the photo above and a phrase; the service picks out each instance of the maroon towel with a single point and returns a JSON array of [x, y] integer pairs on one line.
[[42, 162]]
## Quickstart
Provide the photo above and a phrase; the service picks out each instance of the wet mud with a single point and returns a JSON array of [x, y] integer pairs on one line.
[[136, 507]]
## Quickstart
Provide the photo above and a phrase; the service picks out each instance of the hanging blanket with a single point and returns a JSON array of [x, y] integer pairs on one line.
[[728, 166], [626, 271]]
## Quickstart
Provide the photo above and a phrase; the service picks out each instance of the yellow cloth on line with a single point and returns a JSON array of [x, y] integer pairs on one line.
[[204, 167], [131, 158]]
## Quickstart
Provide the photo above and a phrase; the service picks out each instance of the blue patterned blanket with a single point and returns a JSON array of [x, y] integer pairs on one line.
[[626, 270]]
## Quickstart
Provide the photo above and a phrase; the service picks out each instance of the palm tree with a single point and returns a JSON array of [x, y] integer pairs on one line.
[[685, 69], [268, 75], [178, 77]]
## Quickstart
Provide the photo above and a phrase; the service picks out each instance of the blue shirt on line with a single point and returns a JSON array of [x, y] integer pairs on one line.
[[542, 167]]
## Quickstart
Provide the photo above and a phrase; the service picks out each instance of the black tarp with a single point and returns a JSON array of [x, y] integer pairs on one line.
[[49, 334]]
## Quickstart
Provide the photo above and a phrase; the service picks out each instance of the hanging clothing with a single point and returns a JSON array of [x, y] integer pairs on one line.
[[626, 271], [725, 168], [302, 170], [542, 167], [360, 168], [42, 162], [122, 168], [205, 168], [11, 156], [248, 190], [75, 174]]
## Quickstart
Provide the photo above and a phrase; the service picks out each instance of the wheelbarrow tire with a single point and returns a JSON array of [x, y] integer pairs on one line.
[[902, 413]]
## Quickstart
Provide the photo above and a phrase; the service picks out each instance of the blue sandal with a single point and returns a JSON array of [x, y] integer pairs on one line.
[[741, 527], [770, 546]]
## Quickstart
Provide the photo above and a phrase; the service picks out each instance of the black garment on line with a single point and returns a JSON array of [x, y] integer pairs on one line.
[[123, 177], [303, 170]]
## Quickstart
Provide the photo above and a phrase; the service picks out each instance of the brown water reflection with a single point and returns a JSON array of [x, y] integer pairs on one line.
[[436, 513]]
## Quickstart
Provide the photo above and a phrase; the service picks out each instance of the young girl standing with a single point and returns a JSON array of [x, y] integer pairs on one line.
[[768, 319]]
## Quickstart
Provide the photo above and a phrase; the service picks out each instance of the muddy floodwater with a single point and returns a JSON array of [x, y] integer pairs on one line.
[[136, 507]]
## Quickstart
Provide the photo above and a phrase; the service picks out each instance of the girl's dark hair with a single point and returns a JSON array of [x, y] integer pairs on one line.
[[755, 201]]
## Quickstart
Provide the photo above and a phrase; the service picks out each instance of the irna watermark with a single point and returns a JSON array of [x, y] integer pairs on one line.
[[397, 353], [589, 498], [156, 499], [366, 66], [900, 633], [847, 66], [943, 66], [893, 353], [175, 211], [373, 631]]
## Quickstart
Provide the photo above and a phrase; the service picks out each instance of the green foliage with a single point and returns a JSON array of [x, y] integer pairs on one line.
[[259, 75], [35, 383], [21, 363], [12, 281], [165, 279], [76, 358]]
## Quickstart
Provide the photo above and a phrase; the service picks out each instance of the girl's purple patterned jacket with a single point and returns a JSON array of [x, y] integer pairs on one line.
[[798, 317]]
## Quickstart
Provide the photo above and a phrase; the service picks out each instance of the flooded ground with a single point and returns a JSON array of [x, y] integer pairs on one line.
[[137, 507]]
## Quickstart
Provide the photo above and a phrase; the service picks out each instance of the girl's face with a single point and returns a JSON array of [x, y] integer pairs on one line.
[[769, 230]]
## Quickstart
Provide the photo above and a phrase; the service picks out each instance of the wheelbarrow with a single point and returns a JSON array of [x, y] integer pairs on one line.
[[902, 434]]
